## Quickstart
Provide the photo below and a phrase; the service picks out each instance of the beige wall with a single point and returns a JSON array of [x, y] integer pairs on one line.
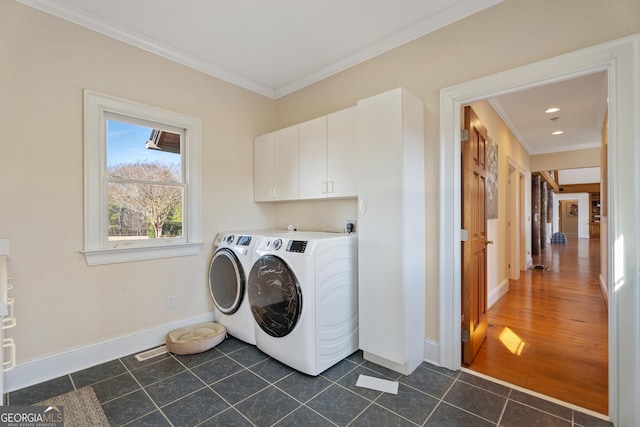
[[47, 62], [510, 34], [566, 160], [61, 303]]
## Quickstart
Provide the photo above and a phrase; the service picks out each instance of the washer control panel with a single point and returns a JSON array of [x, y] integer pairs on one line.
[[298, 246], [244, 240]]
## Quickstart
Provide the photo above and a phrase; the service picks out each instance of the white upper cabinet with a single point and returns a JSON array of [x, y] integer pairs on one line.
[[313, 159], [342, 138], [286, 163], [327, 156], [275, 165], [263, 167]]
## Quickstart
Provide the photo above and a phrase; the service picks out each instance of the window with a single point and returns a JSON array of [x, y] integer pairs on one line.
[[142, 181]]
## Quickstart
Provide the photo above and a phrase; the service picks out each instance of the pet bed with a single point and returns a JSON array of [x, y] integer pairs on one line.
[[195, 338]]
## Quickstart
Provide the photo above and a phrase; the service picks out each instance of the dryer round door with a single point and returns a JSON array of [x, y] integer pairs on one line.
[[274, 295], [226, 281]]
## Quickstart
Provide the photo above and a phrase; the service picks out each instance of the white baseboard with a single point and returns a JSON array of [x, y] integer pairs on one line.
[[53, 366], [432, 352], [603, 288], [498, 293]]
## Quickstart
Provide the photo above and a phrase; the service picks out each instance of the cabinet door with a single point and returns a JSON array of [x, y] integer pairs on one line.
[[312, 156], [263, 167], [342, 174], [286, 163]]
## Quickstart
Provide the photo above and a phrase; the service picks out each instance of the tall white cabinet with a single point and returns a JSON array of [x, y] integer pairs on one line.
[[391, 229]]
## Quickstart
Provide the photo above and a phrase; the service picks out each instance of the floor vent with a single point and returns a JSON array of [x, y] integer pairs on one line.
[[151, 353]]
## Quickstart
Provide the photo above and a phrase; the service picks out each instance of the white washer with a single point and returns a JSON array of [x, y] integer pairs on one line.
[[303, 293], [232, 259]]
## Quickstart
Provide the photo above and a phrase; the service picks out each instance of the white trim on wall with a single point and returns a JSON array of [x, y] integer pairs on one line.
[[53, 366], [98, 249], [498, 292], [621, 59], [431, 352]]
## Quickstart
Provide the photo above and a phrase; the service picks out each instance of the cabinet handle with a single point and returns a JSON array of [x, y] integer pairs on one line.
[[362, 206], [324, 187], [9, 321], [330, 187], [11, 363], [275, 192]]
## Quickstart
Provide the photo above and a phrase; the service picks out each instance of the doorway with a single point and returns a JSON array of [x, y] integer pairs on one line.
[[617, 58]]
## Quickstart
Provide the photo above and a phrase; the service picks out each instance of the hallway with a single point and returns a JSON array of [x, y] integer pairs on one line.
[[549, 332]]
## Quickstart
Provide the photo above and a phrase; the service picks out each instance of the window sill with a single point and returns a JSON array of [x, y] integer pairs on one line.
[[118, 255]]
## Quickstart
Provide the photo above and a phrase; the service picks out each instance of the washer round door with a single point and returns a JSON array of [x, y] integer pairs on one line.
[[274, 296], [226, 281]]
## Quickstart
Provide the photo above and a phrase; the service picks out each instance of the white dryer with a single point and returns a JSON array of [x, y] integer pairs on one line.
[[303, 293], [233, 254]]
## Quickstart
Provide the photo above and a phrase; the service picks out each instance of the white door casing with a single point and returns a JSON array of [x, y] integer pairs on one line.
[[621, 59]]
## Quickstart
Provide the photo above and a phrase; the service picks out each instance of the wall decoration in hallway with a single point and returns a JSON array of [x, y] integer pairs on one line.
[[492, 180], [573, 210]]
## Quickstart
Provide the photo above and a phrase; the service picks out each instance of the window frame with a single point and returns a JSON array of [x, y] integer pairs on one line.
[[98, 249]]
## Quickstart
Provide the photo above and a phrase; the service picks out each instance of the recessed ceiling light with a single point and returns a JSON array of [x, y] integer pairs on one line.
[[558, 132], [552, 110]]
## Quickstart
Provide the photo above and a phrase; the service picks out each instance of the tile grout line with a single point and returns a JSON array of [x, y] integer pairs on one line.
[[146, 393], [466, 410], [504, 408], [541, 396], [73, 383], [440, 400], [512, 399], [231, 407]]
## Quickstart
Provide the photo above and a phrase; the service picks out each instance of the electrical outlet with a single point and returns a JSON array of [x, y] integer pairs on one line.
[[350, 226], [171, 302]]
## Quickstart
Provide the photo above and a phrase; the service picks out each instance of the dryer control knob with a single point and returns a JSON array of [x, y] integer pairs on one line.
[[230, 238], [277, 244]]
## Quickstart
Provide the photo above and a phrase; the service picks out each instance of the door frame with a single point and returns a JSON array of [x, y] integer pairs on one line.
[[583, 212], [516, 239], [621, 60]]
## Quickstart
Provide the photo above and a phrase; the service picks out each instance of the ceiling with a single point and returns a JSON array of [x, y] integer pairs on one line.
[[270, 47], [582, 102], [279, 46]]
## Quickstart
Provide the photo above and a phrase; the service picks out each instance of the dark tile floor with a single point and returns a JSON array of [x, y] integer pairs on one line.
[[235, 384]]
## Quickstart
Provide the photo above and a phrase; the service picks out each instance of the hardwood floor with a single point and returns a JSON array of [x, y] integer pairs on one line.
[[549, 332]]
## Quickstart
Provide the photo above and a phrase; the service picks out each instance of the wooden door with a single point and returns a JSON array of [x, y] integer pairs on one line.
[[474, 249]]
